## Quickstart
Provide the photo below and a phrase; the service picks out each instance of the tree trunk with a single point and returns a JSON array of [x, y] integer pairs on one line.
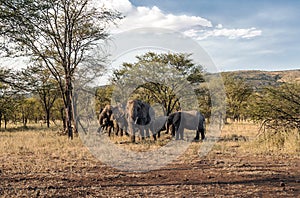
[[48, 118], [0, 120], [68, 107], [63, 118], [74, 110], [5, 122], [23, 118]]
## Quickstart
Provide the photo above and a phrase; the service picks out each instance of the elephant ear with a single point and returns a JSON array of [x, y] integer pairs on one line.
[[139, 107], [145, 109]]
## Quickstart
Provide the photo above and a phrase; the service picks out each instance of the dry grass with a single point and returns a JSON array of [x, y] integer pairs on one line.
[[240, 136], [44, 163], [42, 149], [280, 143], [245, 137]]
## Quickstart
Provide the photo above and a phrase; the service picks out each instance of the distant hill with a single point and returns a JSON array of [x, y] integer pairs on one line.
[[258, 79]]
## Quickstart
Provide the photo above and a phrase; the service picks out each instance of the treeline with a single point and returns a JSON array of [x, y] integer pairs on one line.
[[276, 107], [32, 95], [29, 95], [24, 110]]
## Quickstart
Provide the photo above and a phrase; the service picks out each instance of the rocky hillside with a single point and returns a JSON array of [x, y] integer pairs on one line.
[[267, 78]]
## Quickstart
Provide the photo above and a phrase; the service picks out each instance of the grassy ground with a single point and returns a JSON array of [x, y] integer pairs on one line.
[[41, 162], [47, 143]]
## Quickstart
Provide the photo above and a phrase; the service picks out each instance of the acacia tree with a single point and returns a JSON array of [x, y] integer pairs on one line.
[[277, 108], [161, 78], [4, 97], [8, 95], [39, 80], [238, 93], [60, 33]]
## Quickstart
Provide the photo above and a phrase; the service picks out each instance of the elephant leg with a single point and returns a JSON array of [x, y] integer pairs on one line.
[[109, 130], [142, 132], [132, 138], [202, 134], [116, 129], [152, 129], [197, 135], [167, 126], [200, 130], [131, 131], [154, 137], [176, 130], [181, 134], [173, 131], [133, 135], [126, 130], [147, 132]]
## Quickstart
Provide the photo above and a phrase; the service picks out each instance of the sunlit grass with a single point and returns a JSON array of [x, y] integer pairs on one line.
[[246, 138], [35, 151], [279, 143], [47, 144]]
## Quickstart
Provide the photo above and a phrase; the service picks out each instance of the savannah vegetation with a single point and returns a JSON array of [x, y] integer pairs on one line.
[[38, 109], [274, 108], [61, 37]]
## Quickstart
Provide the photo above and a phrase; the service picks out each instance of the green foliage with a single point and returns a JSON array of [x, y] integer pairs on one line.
[[39, 81], [277, 108], [211, 98], [237, 93], [103, 96], [58, 33], [29, 109], [167, 79]]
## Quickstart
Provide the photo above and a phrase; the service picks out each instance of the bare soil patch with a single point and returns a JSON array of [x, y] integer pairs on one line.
[[60, 168]]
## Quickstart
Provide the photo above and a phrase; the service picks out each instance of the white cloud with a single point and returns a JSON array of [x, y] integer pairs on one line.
[[123, 6], [141, 16], [232, 33], [223, 32], [194, 26], [219, 26], [154, 17]]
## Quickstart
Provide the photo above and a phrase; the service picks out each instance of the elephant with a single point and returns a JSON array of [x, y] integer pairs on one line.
[[139, 116], [119, 120], [192, 120], [157, 125], [105, 121], [112, 118]]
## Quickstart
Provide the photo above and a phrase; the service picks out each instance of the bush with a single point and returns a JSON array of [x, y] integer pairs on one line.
[[277, 108]]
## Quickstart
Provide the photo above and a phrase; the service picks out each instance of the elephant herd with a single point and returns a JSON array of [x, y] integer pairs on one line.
[[138, 116]]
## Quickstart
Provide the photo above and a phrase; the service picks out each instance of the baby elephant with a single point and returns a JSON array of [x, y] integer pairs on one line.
[[157, 125], [192, 120]]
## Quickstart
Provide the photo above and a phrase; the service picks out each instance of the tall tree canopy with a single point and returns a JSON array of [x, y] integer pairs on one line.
[[59, 33], [163, 78], [238, 93]]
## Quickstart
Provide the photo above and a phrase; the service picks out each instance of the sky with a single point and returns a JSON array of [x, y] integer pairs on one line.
[[237, 34]]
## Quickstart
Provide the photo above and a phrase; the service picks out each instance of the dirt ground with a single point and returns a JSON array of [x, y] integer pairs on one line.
[[219, 174]]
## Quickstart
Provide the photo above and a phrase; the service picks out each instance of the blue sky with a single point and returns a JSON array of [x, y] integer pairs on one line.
[[237, 34]]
